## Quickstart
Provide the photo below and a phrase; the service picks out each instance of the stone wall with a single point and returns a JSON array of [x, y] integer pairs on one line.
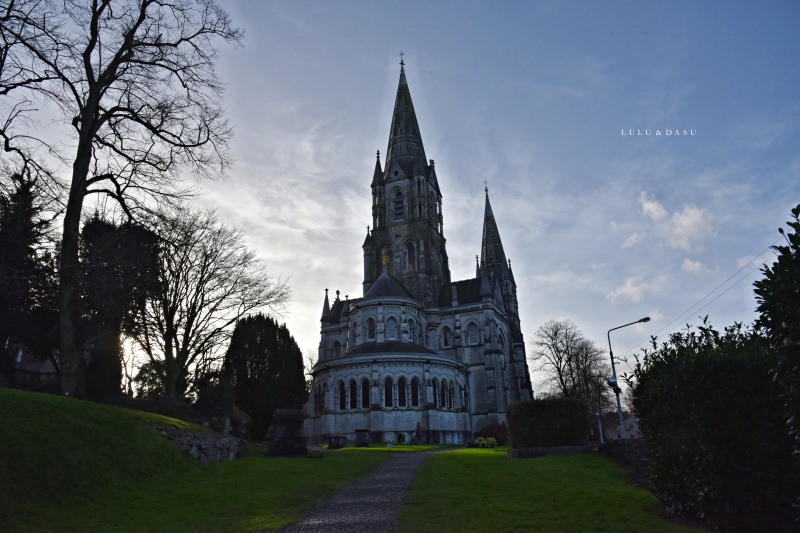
[[207, 447]]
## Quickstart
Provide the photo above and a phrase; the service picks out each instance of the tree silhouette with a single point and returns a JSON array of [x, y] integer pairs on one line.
[[265, 366], [208, 280], [27, 305], [778, 296], [119, 272], [135, 82]]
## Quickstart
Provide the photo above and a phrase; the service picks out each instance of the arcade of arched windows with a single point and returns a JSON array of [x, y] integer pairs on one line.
[[402, 393], [444, 393]]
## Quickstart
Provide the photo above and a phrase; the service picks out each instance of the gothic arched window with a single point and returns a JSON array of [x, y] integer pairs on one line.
[[365, 393], [472, 333], [388, 399], [391, 328], [370, 329], [387, 259], [447, 337], [412, 333], [401, 392], [353, 395], [411, 257], [337, 349], [398, 205], [435, 387], [451, 397], [342, 397], [443, 394], [415, 392]]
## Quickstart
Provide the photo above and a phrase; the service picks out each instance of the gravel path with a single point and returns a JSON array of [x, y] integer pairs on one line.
[[370, 505]]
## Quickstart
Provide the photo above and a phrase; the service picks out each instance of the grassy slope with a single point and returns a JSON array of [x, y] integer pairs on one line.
[[54, 448], [477, 490], [69, 465]]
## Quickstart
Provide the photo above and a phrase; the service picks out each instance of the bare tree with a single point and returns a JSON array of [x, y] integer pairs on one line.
[[553, 351], [209, 280], [134, 81], [573, 363]]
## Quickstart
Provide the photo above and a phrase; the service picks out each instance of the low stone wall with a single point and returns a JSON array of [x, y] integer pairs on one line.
[[522, 453], [207, 447]]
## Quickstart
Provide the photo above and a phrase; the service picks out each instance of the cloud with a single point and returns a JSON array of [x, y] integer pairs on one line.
[[632, 289], [688, 225], [633, 240], [652, 208], [695, 267], [682, 229]]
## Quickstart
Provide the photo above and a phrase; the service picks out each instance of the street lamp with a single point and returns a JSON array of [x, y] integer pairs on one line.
[[612, 381]]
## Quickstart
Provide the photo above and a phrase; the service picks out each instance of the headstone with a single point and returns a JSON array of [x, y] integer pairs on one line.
[[285, 435]]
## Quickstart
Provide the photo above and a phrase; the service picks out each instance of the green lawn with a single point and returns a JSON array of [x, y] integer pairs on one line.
[[482, 490], [70, 465]]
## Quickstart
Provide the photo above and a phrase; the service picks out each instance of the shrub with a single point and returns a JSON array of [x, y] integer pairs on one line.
[[488, 442], [499, 432], [712, 423], [548, 422]]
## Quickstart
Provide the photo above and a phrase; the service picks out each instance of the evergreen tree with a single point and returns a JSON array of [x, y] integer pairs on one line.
[[27, 272], [120, 269], [265, 366], [778, 296]]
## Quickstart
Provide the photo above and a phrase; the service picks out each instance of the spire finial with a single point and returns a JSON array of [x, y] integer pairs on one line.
[[402, 63], [378, 155], [486, 188]]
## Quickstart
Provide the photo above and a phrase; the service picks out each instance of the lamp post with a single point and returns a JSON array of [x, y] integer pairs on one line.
[[612, 381]]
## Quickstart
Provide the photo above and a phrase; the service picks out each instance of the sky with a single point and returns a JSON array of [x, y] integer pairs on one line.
[[562, 109]]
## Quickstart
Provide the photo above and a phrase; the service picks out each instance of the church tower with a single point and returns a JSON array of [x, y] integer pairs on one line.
[[407, 237]]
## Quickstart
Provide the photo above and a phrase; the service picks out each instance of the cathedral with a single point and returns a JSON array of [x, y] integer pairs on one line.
[[419, 357]]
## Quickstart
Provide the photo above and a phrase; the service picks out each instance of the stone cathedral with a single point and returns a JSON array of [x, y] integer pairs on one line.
[[419, 357]]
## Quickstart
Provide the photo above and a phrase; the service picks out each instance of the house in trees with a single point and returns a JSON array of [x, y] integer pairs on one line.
[[418, 357]]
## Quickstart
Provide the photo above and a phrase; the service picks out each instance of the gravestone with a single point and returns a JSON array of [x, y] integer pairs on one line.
[[285, 434]]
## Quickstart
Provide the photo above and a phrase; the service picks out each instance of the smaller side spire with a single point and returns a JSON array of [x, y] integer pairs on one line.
[[377, 176], [326, 307]]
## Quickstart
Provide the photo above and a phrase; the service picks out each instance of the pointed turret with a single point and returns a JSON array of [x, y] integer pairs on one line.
[[377, 176], [405, 141], [326, 308], [492, 255]]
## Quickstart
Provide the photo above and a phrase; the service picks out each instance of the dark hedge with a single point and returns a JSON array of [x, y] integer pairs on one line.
[[714, 429], [548, 422]]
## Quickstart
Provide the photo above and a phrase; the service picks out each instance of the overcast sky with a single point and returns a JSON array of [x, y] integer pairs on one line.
[[537, 100]]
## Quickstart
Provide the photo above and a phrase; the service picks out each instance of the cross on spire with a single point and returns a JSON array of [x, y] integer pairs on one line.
[[402, 63]]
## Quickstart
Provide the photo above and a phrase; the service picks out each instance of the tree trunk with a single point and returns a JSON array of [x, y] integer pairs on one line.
[[73, 367]]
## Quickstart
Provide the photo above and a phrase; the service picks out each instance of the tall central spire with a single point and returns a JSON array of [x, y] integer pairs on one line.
[[405, 141]]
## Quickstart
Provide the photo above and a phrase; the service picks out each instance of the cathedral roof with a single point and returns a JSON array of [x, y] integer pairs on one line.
[[405, 140], [468, 291], [387, 286]]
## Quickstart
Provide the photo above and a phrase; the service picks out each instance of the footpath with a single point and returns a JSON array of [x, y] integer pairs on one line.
[[371, 504]]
